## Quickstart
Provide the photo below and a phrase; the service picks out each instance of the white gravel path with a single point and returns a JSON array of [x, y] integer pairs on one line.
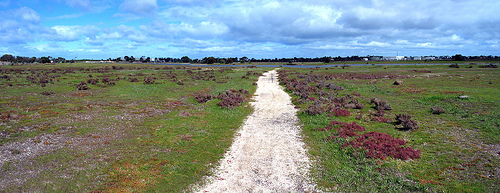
[[267, 154]]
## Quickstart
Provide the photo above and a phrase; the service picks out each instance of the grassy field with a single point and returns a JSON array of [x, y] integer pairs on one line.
[[155, 137], [459, 149], [113, 137]]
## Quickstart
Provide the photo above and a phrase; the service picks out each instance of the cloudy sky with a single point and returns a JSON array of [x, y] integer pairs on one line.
[[260, 29]]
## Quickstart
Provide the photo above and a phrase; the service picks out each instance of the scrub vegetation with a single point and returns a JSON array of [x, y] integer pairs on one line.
[[400, 128], [138, 127], [106, 128]]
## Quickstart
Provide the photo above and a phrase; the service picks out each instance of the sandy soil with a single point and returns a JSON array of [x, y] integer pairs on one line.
[[267, 154]]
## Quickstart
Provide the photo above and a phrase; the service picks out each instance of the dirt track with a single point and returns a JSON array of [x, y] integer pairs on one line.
[[267, 154]]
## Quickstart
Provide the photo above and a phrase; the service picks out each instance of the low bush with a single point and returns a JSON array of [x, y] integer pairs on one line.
[[149, 80], [203, 97], [315, 110], [341, 112], [230, 99], [93, 81], [406, 122], [82, 86], [438, 110], [381, 145], [343, 129], [380, 104], [47, 93]]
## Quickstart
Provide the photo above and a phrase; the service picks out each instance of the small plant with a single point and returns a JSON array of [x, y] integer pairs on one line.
[[81, 86], [315, 110], [380, 145], [202, 97], [354, 104], [47, 93], [179, 82], [398, 82], [454, 66], [134, 80], [106, 80], [406, 121], [380, 119], [93, 81], [341, 112], [438, 110], [230, 99], [344, 130], [149, 80], [380, 104]]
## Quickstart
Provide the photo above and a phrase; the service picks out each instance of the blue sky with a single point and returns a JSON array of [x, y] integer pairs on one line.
[[256, 29]]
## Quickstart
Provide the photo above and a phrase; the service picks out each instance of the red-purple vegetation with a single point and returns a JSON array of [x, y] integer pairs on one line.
[[230, 99], [341, 112], [381, 145], [344, 130]]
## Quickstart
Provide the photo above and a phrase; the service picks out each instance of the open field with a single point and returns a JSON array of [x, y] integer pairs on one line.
[[153, 134], [459, 149], [128, 132]]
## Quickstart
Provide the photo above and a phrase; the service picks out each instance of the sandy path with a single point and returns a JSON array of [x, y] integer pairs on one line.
[[269, 155]]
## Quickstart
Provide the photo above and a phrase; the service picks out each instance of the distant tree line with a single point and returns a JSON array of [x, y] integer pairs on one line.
[[23, 59], [213, 60]]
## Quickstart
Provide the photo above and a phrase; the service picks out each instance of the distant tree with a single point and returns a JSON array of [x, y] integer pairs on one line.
[[209, 60], [458, 57], [132, 59], [7, 58], [44, 60], [243, 59], [186, 59], [126, 58], [229, 61]]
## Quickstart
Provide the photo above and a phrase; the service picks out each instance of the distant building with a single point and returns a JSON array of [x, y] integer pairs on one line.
[[393, 58], [376, 58]]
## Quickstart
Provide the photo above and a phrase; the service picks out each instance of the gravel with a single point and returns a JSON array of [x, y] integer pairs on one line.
[[268, 154]]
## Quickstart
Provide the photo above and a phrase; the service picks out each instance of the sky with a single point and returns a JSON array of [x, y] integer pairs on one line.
[[257, 29]]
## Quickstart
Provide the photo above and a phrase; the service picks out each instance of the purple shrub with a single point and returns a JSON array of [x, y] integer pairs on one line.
[[341, 112], [381, 145], [202, 97], [315, 110], [93, 81], [230, 99], [344, 130], [406, 122], [81, 86]]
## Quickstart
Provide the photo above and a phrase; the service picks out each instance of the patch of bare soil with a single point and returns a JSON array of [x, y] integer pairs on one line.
[[73, 153], [267, 154]]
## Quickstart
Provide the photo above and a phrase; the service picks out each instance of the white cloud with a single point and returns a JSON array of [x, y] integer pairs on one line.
[[67, 33], [140, 7], [28, 15]]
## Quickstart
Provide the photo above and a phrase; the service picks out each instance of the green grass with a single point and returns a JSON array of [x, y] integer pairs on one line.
[[453, 145], [129, 137]]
